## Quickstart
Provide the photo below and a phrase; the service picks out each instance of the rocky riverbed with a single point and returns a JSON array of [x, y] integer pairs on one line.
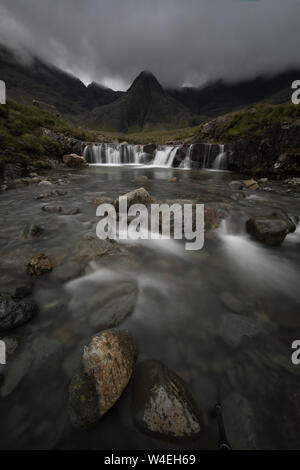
[[166, 326]]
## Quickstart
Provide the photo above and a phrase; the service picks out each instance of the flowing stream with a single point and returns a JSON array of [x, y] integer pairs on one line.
[[223, 318]]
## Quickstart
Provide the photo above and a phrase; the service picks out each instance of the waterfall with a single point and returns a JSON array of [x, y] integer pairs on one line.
[[114, 154], [186, 164], [164, 156], [220, 162], [207, 152]]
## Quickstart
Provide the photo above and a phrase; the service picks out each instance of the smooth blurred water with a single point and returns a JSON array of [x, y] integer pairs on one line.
[[223, 318]]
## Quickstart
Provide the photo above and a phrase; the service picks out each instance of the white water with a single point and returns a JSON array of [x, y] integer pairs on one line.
[[187, 164], [164, 156], [220, 161], [260, 268], [114, 154]]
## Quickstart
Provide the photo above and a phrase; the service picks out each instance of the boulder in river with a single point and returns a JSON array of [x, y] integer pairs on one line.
[[74, 161], [39, 264], [251, 184], [137, 196], [107, 365], [162, 405], [14, 312], [270, 230]]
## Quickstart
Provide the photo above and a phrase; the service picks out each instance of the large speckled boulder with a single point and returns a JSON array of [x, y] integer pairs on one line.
[[107, 365], [162, 404]]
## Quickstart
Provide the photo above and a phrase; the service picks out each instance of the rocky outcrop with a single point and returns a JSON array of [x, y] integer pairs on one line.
[[107, 365], [15, 312], [68, 145], [75, 161], [162, 405]]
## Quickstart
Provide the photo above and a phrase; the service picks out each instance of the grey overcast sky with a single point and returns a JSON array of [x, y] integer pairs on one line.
[[183, 42]]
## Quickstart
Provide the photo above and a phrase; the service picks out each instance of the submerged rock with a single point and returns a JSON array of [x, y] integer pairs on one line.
[[107, 365], [270, 230], [61, 210], [70, 211], [32, 231], [234, 328], [162, 405], [52, 209], [111, 304], [92, 248], [39, 264], [240, 422], [14, 313], [74, 161], [236, 185]]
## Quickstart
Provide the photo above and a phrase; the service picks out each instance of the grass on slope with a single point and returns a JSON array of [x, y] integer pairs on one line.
[[21, 139], [249, 123]]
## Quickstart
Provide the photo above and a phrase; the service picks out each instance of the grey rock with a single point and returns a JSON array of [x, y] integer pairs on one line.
[[162, 405], [240, 422], [234, 328], [270, 230], [14, 313], [111, 304]]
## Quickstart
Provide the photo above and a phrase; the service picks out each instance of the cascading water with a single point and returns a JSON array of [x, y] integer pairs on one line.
[[187, 164], [114, 154], [164, 156], [220, 162], [206, 158]]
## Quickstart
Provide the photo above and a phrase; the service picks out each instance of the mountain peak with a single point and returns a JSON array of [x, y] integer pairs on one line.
[[146, 83]]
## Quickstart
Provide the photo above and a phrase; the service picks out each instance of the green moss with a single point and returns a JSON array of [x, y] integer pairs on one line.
[[21, 133]]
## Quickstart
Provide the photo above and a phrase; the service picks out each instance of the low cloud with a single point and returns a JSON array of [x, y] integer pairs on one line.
[[190, 42]]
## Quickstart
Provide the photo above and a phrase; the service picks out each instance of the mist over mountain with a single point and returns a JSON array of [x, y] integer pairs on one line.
[[37, 80], [145, 105]]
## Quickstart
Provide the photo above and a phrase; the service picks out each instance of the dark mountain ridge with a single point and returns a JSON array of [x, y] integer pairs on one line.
[[145, 105], [43, 82]]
